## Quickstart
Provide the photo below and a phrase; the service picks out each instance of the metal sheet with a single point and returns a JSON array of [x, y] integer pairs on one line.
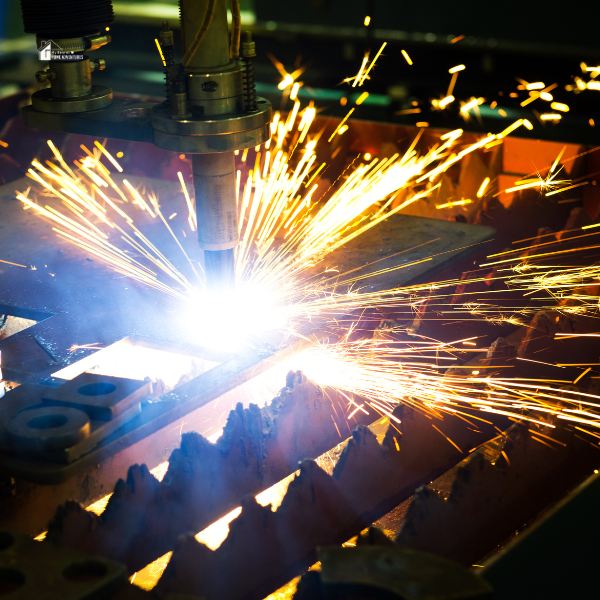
[[88, 303]]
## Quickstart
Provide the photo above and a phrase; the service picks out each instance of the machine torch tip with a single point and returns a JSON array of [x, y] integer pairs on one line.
[[220, 272]]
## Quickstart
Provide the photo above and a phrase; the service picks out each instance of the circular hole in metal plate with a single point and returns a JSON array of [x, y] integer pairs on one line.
[[6, 540], [47, 428], [47, 422], [132, 113], [100, 388], [10, 581], [85, 571]]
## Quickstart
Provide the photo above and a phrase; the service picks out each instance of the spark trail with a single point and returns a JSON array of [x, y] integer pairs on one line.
[[286, 231]]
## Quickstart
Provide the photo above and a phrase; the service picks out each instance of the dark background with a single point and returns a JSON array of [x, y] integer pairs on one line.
[[536, 41]]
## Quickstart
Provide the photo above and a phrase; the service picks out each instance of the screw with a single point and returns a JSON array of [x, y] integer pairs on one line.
[[97, 65], [248, 46], [47, 75]]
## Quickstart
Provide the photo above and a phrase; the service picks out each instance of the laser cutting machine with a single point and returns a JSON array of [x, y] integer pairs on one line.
[[211, 112], [211, 109], [71, 308]]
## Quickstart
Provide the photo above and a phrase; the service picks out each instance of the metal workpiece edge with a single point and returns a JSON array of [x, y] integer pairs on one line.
[[159, 417], [226, 124]]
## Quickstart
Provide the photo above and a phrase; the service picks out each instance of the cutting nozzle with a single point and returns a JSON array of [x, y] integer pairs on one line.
[[220, 272]]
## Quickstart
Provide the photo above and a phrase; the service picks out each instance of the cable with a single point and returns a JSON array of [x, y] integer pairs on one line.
[[193, 47], [236, 29]]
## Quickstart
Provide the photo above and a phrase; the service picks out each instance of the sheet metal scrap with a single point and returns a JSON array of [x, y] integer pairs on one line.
[[266, 548], [489, 500], [29, 570], [258, 448], [61, 424], [375, 571]]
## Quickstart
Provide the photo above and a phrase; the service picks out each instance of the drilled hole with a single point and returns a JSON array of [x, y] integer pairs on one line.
[[47, 422], [89, 570], [10, 580], [100, 388], [6, 540]]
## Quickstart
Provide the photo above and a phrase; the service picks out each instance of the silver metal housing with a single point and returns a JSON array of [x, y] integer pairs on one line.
[[99, 97]]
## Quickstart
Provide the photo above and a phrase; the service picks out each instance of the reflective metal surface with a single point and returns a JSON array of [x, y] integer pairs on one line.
[[70, 79], [214, 84]]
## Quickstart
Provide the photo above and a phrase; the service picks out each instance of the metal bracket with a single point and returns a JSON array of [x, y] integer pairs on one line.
[[31, 569]]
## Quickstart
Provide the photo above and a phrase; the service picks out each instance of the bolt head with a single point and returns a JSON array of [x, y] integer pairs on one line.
[[98, 65]]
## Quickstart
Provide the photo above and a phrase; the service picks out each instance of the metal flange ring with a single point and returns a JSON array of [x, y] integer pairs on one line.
[[205, 144], [227, 124], [99, 97]]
